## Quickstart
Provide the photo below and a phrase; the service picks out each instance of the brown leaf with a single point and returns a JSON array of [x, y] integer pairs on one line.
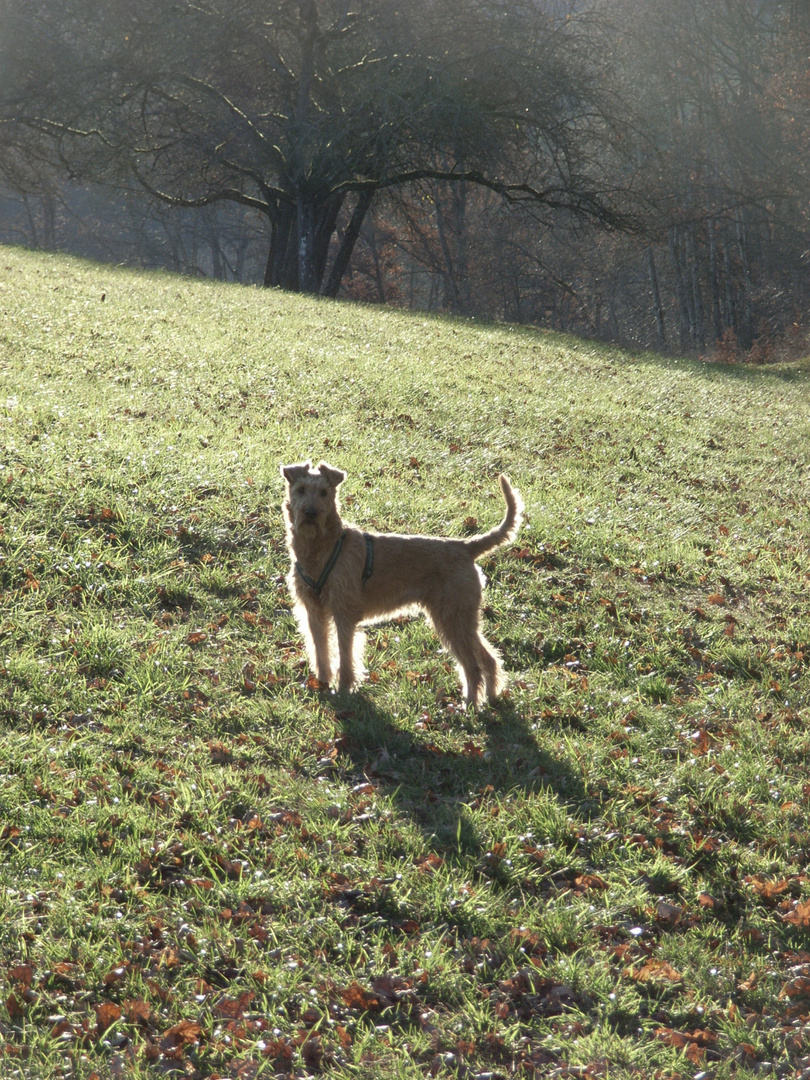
[[356, 997], [472, 750], [522, 982], [768, 890], [279, 1050], [107, 1013], [22, 974], [680, 1039], [429, 863], [234, 1008], [799, 914], [671, 1038], [178, 1037], [668, 913], [394, 990], [584, 882], [312, 1053], [798, 987], [654, 971], [14, 1007], [220, 753], [138, 1011], [116, 975]]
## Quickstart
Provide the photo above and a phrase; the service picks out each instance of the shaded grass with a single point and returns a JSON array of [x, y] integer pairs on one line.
[[208, 867]]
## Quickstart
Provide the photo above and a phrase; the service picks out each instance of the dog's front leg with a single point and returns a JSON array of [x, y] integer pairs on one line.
[[318, 632], [347, 643]]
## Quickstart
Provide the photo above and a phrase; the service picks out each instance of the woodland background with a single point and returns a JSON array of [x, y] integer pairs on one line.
[[631, 170]]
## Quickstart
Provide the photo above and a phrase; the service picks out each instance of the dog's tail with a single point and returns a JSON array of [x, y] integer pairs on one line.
[[507, 530]]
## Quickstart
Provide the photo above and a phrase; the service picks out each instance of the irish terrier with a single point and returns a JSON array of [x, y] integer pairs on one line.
[[341, 577]]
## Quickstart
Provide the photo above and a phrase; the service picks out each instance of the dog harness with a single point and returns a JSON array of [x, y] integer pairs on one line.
[[317, 586], [327, 570], [369, 557]]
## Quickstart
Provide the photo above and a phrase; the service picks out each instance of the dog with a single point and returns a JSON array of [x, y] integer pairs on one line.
[[341, 577]]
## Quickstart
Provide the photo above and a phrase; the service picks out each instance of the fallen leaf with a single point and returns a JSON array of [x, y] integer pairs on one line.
[[768, 890], [653, 971], [356, 997], [799, 914], [178, 1037], [584, 882], [106, 1014], [669, 913], [138, 1011], [798, 987], [312, 1053]]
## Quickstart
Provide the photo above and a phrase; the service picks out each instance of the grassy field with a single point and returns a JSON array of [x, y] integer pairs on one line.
[[210, 869]]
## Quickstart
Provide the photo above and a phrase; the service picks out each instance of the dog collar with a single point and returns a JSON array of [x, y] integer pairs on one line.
[[327, 570]]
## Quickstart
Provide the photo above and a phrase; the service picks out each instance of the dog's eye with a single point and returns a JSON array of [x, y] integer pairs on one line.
[[322, 492]]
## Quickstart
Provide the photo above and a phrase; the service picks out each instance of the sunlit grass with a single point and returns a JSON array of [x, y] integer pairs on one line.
[[207, 866]]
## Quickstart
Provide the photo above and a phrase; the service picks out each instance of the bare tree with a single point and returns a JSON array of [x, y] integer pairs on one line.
[[722, 114], [304, 111]]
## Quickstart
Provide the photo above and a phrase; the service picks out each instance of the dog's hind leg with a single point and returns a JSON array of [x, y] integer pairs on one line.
[[468, 654], [455, 614], [462, 640], [493, 671]]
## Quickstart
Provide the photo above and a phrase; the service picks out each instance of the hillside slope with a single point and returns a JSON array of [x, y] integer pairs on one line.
[[207, 863]]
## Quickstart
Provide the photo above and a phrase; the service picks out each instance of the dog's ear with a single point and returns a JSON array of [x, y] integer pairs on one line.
[[291, 473], [334, 476]]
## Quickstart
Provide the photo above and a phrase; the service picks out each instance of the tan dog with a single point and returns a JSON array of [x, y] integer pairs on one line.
[[342, 577]]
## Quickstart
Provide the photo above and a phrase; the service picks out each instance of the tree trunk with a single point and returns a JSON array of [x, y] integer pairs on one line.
[[714, 281], [685, 317], [300, 238], [344, 253], [305, 221], [728, 290], [660, 328], [452, 298], [282, 266], [746, 333], [693, 257], [325, 225]]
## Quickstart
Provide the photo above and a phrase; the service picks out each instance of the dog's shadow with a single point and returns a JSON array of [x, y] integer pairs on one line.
[[439, 783]]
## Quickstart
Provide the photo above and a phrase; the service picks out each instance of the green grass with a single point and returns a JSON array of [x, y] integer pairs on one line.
[[209, 869]]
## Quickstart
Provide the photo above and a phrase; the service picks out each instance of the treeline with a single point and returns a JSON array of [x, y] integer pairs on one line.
[[630, 169]]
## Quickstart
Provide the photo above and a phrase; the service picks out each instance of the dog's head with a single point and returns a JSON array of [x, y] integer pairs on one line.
[[311, 502]]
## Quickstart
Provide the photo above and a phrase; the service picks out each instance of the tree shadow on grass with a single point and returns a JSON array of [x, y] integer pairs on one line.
[[437, 786]]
